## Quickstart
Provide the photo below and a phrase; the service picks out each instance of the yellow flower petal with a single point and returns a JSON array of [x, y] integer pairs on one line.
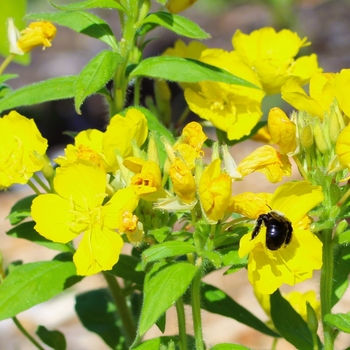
[[54, 218], [342, 148], [296, 199], [98, 250], [85, 184], [342, 82], [250, 204]]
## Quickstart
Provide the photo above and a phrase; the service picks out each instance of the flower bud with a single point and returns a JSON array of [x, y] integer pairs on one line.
[[176, 6], [320, 139], [306, 137]]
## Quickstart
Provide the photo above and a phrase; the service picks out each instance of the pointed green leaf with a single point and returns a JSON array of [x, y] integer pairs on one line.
[[26, 231], [89, 4], [289, 323], [185, 70], [339, 321], [47, 90], [81, 22], [218, 302], [54, 339], [21, 210], [166, 250], [33, 283], [178, 24], [163, 286], [16, 10], [341, 271], [98, 313], [6, 77], [95, 75]]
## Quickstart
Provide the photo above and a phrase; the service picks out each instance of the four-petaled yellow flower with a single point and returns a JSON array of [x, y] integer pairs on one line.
[[78, 208], [272, 55], [292, 263], [36, 34], [22, 149]]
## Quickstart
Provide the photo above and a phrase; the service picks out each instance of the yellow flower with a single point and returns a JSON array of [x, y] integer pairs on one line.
[[87, 146], [78, 208], [322, 93], [176, 6], [119, 136], [214, 191], [293, 262], [36, 34], [268, 161], [232, 108], [271, 55], [283, 131], [147, 181], [21, 151], [189, 145], [183, 181]]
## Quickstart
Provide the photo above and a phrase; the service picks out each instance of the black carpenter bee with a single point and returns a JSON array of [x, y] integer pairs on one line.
[[278, 229]]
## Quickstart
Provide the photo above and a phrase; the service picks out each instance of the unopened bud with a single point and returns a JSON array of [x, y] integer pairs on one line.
[[306, 137], [320, 140], [334, 127]]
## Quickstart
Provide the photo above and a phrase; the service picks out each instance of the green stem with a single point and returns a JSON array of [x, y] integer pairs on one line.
[[26, 334], [274, 343], [183, 117], [33, 187], [41, 183], [123, 309], [196, 309], [326, 287], [181, 320], [6, 62]]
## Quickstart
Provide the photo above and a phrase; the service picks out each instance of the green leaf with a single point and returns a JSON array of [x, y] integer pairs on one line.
[[160, 234], [159, 131], [218, 302], [339, 321], [341, 271], [6, 77], [47, 90], [163, 286], [289, 323], [161, 323], [33, 283], [95, 75], [185, 70], [126, 268], [54, 339], [227, 346], [89, 4], [98, 313], [20, 210], [166, 250], [178, 24], [81, 22], [26, 231], [16, 10]]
